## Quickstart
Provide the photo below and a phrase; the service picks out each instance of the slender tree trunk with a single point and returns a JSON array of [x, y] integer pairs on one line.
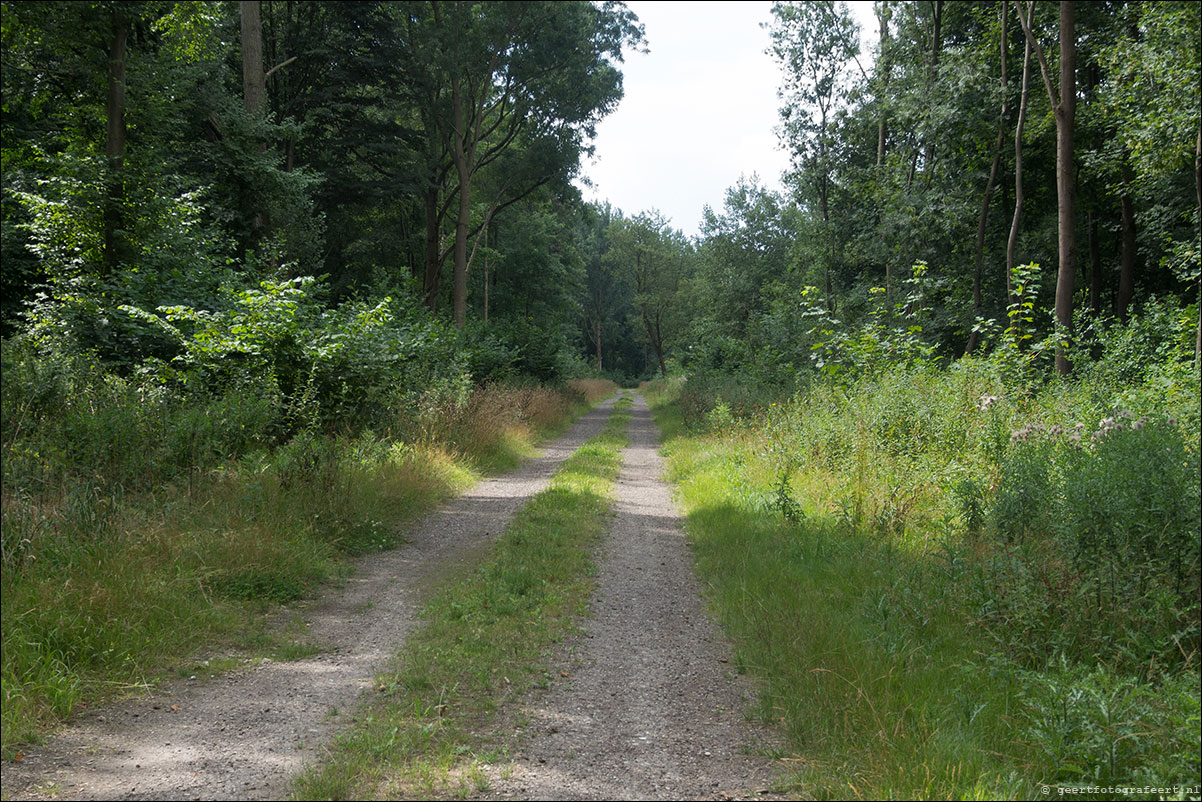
[[827, 287], [597, 332], [433, 272], [461, 155], [461, 225], [883, 70], [1066, 112], [936, 51], [993, 171], [1064, 102], [655, 335], [1094, 246], [254, 80], [1127, 265], [1198, 189], [114, 145], [254, 83], [1016, 221], [1095, 266]]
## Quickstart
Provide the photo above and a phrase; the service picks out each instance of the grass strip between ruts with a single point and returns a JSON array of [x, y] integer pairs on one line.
[[484, 639]]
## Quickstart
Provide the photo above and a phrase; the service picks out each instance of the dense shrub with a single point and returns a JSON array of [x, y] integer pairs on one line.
[[1097, 554]]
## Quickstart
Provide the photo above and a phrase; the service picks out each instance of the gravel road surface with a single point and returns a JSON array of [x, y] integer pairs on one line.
[[652, 708]]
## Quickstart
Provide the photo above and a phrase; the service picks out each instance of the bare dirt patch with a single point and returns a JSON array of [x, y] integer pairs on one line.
[[651, 707], [244, 734]]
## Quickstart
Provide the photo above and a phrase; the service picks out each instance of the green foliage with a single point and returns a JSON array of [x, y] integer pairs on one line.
[[1099, 556], [983, 614], [1151, 98], [1158, 335], [1093, 728]]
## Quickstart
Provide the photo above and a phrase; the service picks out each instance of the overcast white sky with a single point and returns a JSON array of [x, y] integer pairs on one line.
[[699, 111]]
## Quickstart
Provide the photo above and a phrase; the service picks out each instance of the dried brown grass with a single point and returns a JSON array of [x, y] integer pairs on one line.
[[497, 420], [593, 389]]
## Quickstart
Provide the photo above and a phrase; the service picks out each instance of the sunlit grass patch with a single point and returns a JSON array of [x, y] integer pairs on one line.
[[860, 565]]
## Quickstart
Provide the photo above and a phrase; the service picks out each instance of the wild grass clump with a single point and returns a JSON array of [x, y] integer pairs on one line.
[[141, 523], [1095, 547], [488, 425], [102, 591], [952, 590]]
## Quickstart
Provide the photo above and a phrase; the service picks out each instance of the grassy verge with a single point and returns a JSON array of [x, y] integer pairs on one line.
[[485, 639], [105, 589], [846, 541]]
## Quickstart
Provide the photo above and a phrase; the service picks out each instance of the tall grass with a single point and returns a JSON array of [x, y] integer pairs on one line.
[[139, 528], [861, 552]]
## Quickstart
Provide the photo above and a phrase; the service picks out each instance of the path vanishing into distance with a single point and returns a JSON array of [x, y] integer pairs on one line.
[[651, 707]]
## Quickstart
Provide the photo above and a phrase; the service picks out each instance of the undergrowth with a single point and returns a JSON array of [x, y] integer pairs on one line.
[[141, 529], [958, 586]]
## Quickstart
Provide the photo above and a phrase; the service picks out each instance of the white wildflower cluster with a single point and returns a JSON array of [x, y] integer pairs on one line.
[[986, 402], [1026, 432], [1075, 434], [1118, 422]]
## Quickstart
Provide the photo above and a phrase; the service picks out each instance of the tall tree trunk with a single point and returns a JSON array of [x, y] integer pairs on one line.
[[462, 221], [1016, 221], [254, 82], [1064, 102], [433, 272], [1095, 266], [928, 155], [114, 144], [655, 335], [1066, 112], [993, 170], [462, 154], [883, 14], [597, 337], [830, 244], [485, 319], [1127, 266], [1198, 190], [884, 69]]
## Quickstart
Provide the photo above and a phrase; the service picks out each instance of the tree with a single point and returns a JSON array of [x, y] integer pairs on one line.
[[601, 283], [1064, 103], [813, 42], [114, 144], [982, 226], [746, 249], [1152, 104], [495, 77], [654, 259]]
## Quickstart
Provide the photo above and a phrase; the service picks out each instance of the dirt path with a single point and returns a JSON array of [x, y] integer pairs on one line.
[[653, 709], [246, 733]]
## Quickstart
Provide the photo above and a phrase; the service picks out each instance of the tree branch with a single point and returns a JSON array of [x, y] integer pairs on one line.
[[281, 65], [1043, 62]]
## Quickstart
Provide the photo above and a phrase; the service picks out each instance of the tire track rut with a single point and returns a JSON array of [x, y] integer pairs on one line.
[[653, 710]]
